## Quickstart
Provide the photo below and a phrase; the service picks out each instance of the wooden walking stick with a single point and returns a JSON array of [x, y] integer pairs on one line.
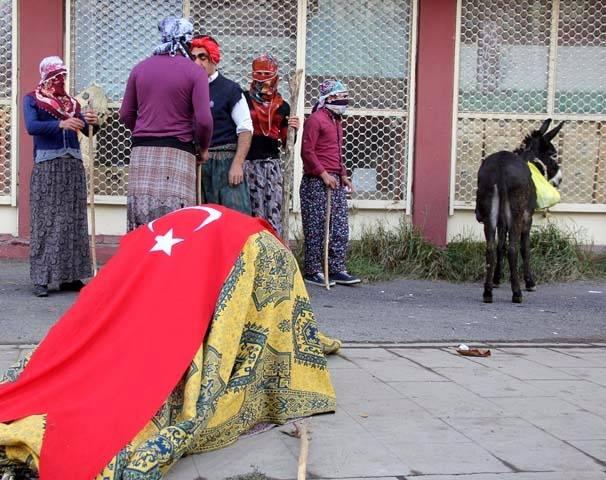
[[289, 155], [304, 452], [198, 183], [327, 235], [92, 94], [91, 187]]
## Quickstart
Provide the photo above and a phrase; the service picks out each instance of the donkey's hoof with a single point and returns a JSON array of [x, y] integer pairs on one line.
[[496, 285], [517, 298], [487, 298], [531, 287]]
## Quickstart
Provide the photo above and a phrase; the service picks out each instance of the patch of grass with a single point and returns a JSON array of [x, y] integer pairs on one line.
[[383, 254]]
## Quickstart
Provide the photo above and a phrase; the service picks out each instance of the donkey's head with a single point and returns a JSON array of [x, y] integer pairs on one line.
[[538, 148]]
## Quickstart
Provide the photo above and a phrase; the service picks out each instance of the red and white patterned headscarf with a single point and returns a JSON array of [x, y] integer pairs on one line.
[[50, 93]]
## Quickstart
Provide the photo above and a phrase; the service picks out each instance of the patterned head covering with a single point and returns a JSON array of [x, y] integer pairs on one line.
[[264, 85], [328, 88], [265, 97], [51, 67], [50, 93], [176, 35]]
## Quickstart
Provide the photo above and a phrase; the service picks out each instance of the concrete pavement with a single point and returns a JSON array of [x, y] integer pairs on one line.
[[421, 411]]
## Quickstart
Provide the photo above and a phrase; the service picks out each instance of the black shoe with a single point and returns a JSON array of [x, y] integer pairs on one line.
[[40, 290], [74, 286], [344, 278], [318, 279]]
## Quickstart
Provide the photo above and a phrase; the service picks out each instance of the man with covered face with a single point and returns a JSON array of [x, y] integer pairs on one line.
[[323, 169], [270, 118]]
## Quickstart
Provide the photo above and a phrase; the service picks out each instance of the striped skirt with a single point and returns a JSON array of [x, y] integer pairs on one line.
[[160, 180]]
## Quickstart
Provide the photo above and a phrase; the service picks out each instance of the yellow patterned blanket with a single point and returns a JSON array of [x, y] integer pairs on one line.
[[262, 361]]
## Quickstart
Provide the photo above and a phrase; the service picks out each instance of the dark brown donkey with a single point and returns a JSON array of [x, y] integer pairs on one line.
[[505, 201]]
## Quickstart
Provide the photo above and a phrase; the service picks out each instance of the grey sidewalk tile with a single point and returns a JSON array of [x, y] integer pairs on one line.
[[339, 361], [593, 374], [387, 420], [341, 448], [489, 382], [433, 357], [522, 368], [185, 469], [389, 367], [579, 426], [551, 358], [446, 459], [565, 388], [267, 452], [569, 475], [592, 404], [352, 384], [9, 354], [523, 445], [534, 407], [595, 448], [447, 399]]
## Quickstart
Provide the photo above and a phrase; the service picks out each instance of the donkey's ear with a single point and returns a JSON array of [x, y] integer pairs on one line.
[[552, 133], [545, 126]]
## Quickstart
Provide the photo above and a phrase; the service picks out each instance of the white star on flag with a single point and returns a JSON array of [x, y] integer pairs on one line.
[[165, 243]]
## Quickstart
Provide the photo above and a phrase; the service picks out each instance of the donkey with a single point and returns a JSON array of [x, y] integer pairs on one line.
[[505, 201]]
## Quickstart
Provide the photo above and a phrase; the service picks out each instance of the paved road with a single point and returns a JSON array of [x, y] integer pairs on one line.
[[396, 311]]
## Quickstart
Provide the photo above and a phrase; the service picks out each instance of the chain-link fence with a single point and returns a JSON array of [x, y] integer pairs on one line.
[[521, 62], [365, 44], [6, 60]]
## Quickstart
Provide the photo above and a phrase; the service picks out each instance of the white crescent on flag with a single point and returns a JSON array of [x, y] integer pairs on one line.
[[164, 243]]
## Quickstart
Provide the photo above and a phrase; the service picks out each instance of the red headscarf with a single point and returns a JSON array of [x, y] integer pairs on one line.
[[265, 97], [50, 93], [209, 44]]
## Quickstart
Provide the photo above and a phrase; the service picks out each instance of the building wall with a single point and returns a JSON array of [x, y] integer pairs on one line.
[[430, 116]]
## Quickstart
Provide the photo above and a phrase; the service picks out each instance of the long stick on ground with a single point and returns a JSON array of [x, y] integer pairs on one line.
[[327, 235], [304, 452], [91, 178], [289, 154]]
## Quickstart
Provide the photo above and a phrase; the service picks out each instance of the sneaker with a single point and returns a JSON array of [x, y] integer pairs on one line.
[[318, 279], [40, 290], [344, 278], [74, 286]]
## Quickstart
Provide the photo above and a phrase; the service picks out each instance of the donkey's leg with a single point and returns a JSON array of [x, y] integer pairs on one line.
[[525, 248], [489, 233], [501, 240], [513, 250]]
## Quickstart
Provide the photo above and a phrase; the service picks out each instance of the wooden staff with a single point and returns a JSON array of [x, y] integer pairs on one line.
[[327, 235], [198, 183], [91, 178], [289, 155], [304, 452]]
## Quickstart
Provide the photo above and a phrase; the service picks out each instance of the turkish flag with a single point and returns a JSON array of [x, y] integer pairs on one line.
[[112, 360]]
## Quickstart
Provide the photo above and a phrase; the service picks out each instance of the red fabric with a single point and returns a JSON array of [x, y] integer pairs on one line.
[[322, 144], [111, 361], [51, 96], [210, 45]]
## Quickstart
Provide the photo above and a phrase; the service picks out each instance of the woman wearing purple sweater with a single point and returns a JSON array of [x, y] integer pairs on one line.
[[166, 107]]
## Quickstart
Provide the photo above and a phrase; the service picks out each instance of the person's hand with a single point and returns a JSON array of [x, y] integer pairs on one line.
[[73, 124], [329, 180], [347, 183], [294, 122], [91, 117], [203, 156], [235, 175]]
